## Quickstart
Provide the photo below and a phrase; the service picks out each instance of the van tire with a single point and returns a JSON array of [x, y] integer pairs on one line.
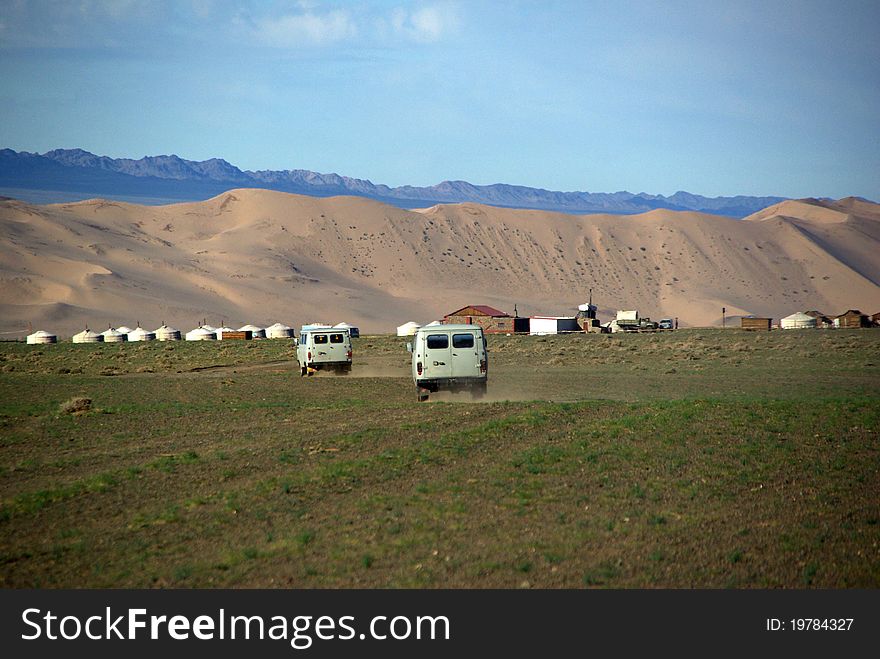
[[303, 371]]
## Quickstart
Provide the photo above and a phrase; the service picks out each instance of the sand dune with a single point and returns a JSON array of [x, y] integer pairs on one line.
[[261, 256]]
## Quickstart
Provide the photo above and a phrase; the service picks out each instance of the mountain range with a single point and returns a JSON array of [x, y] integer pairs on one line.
[[64, 175]]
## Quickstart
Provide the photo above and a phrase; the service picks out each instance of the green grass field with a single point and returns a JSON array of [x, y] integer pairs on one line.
[[694, 458]]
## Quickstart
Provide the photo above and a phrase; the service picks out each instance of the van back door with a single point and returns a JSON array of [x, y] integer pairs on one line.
[[320, 348], [466, 349], [438, 356], [337, 348]]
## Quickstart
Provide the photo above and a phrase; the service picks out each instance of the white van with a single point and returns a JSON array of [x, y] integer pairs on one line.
[[449, 357], [324, 349]]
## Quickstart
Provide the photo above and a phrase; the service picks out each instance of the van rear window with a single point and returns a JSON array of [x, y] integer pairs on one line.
[[438, 341], [320, 339], [336, 338], [462, 340]]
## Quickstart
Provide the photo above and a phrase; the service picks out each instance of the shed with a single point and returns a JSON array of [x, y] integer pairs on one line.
[[200, 334], [88, 336], [225, 332], [114, 336], [40, 337], [753, 323], [851, 318], [492, 320], [140, 334], [798, 320], [166, 333], [279, 331], [542, 325], [821, 319], [408, 329], [256, 332]]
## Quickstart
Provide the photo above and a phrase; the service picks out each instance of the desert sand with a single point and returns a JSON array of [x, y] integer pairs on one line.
[[257, 256]]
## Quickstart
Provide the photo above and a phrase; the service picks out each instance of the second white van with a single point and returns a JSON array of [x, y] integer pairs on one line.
[[324, 349]]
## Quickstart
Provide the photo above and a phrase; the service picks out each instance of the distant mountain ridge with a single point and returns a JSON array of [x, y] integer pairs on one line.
[[79, 174]]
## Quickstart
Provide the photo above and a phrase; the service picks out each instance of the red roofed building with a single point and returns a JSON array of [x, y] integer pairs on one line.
[[493, 321]]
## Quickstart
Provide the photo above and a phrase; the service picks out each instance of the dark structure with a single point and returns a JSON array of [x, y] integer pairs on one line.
[[852, 318], [751, 323], [493, 321], [821, 319], [586, 316], [875, 319]]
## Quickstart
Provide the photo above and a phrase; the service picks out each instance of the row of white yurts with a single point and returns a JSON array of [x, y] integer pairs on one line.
[[164, 333], [203, 332]]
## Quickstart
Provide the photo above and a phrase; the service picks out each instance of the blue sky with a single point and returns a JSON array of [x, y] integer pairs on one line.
[[717, 98]]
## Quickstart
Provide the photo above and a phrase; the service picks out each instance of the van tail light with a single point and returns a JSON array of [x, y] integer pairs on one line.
[[483, 366], [310, 355], [419, 368], [348, 354]]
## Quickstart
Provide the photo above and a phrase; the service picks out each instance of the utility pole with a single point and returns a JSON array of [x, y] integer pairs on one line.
[[723, 317]]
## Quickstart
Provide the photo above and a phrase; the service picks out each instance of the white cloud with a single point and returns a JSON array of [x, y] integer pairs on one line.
[[426, 24], [307, 28]]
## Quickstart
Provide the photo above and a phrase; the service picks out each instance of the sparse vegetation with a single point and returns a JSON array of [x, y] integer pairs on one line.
[[683, 459], [76, 405]]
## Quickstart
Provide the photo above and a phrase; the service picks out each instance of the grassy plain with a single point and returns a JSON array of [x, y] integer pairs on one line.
[[694, 458]]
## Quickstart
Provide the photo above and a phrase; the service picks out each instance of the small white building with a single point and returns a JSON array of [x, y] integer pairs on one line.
[[113, 336], [201, 334], [140, 334], [408, 329], [798, 320], [88, 336], [279, 331], [352, 330], [166, 333], [124, 329], [543, 325], [41, 337]]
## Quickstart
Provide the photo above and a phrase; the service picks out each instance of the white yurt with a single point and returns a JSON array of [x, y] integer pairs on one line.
[[218, 332], [798, 320], [210, 328], [124, 329], [433, 323], [40, 337], [113, 336], [279, 331], [408, 329], [352, 329], [256, 332], [88, 336], [200, 334], [140, 334], [166, 333]]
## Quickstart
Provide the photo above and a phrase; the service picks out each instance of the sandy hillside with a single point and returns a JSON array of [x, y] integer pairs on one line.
[[260, 256]]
